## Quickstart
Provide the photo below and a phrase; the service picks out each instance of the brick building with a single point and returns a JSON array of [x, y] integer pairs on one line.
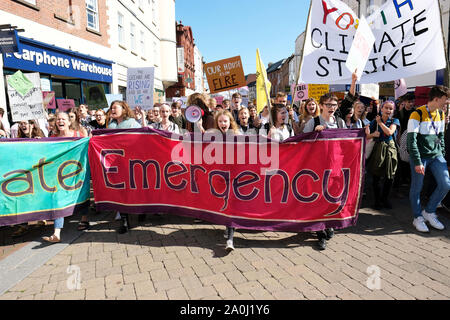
[[186, 75]]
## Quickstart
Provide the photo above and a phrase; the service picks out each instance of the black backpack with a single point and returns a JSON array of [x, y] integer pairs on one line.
[[288, 125], [317, 122]]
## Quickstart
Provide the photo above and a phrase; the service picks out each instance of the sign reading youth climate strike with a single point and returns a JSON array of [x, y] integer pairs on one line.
[[408, 41], [51, 181], [245, 181], [224, 75]]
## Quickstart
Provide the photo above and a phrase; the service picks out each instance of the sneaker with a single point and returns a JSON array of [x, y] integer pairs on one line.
[[330, 233], [322, 244], [229, 246], [432, 220], [420, 224]]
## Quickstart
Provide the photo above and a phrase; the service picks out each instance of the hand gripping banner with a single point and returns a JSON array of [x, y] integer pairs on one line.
[[43, 179], [306, 183]]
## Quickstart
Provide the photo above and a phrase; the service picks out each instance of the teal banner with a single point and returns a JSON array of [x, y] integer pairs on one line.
[[43, 179]]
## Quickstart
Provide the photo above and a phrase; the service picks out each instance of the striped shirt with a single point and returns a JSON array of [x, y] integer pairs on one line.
[[425, 141]]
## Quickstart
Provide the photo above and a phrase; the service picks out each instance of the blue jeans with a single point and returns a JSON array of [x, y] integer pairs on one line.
[[59, 223], [438, 167]]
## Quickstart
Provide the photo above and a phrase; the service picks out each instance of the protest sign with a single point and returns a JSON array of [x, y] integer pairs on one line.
[[317, 90], [95, 97], [28, 106], [65, 104], [232, 182], [19, 82], [421, 96], [408, 41], [400, 88], [9, 41], [140, 85], [49, 100], [113, 97], [225, 74], [360, 50], [300, 92], [34, 188], [370, 90]]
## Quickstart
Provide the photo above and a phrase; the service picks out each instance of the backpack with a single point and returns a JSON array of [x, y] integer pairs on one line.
[[403, 143]]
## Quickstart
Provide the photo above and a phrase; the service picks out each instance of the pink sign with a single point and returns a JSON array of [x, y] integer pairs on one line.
[[301, 92], [49, 99], [65, 104], [219, 99]]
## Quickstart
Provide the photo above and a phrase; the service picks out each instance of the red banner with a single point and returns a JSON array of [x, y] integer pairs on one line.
[[306, 183]]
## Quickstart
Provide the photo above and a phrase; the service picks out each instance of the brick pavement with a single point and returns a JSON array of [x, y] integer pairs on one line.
[[172, 258]]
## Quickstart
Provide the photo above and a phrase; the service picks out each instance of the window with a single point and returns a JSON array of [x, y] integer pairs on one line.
[[92, 14], [142, 43], [132, 37], [120, 30]]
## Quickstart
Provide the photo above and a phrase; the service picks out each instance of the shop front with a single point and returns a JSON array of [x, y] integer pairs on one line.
[[68, 73]]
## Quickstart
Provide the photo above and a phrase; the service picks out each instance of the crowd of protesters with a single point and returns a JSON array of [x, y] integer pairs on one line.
[[402, 141]]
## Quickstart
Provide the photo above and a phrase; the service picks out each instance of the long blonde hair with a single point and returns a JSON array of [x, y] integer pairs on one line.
[[224, 112]]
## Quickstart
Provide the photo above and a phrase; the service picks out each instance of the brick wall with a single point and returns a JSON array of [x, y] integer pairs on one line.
[[45, 10]]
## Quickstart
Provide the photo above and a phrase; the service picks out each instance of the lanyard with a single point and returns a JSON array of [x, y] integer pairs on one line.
[[432, 122]]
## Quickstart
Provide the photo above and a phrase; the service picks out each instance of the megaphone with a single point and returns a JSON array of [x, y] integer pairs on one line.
[[193, 113]]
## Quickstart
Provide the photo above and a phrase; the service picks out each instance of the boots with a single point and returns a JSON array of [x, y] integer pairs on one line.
[[124, 224]]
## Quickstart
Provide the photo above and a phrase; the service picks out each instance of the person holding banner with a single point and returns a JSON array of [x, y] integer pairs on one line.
[[121, 117], [426, 147], [165, 124], [30, 129], [75, 124], [245, 127], [280, 130], [310, 110], [224, 122], [328, 104], [63, 129], [100, 120]]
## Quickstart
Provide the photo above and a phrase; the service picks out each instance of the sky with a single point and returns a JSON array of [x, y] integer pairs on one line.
[[227, 28]]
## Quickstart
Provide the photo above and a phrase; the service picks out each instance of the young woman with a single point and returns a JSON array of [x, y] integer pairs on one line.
[[29, 129], [254, 120], [382, 162], [63, 129], [100, 120], [165, 124], [245, 126], [264, 116], [121, 117], [225, 123], [280, 130], [360, 113], [310, 110], [156, 113], [75, 124]]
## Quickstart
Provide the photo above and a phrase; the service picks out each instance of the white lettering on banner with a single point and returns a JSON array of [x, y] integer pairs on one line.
[[44, 58], [408, 41]]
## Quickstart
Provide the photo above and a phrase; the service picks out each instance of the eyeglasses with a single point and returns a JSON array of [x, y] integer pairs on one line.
[[330, 105]]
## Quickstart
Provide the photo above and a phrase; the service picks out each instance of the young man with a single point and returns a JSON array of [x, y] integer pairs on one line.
[[226, 104], [426, 148], [236, 101], [176, 116], [328, 104]]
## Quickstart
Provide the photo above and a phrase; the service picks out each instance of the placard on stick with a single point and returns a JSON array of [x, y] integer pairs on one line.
[[225, 74]]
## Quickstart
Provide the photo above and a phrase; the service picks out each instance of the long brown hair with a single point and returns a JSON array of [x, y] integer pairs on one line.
[[127, 112], [36, 132], [76, 125], [305, 110]]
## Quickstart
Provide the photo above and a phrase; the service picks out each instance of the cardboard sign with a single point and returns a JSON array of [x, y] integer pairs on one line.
[[317, 90], [225, 74], [360, 50], [19, 82], [400, 88], [421, 96], [370, 90], [140, 86], [28, 106], [49, 100], [65, 104]]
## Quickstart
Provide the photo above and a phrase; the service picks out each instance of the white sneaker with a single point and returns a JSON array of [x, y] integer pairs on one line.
[[432, 220], [229, 246], [420, 224]]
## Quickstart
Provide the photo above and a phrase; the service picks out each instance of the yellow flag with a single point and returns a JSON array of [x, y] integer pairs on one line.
[[263, 85]]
